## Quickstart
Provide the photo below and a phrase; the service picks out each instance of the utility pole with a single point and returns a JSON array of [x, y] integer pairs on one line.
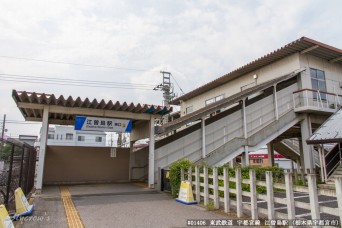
[[167, 88], [3, 132]]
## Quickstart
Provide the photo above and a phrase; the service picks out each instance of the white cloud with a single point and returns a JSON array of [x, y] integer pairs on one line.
[[198, 41]]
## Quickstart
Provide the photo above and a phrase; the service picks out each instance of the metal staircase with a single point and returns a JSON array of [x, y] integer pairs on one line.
[[290, 149], [226, 135]]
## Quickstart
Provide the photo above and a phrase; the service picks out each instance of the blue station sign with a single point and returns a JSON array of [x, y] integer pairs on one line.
[[89, 123]]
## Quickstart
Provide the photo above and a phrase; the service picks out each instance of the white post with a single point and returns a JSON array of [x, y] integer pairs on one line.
[[206, 187], [254, 200], [276, 111], [216, 185], [197, 177], [239, 208], [291, 214], [226, 190], [131, 160], [270, 195], [203, 137], [321, 158], [324, 164], [151, 155], [338, 185], [315, 214], [42, 150]]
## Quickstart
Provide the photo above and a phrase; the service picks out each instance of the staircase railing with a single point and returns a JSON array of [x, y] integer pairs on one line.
[[333, 159], [316, 98]]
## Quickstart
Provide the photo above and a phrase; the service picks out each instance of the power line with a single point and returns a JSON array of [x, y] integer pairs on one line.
[[177, 83], [72, 82], [75, 64]]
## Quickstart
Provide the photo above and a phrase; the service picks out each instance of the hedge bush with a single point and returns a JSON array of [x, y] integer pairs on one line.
[[175, 176]]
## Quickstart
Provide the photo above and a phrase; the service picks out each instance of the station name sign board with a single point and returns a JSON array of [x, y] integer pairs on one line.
[[88, 123]]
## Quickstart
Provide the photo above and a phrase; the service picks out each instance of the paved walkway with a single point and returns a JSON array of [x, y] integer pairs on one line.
[[112, 205]]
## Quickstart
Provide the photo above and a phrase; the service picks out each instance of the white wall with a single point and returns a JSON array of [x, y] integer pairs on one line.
[[269, 72], [333, 72], [60, 137]]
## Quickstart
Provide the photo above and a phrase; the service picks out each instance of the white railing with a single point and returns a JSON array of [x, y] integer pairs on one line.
[[316, 99], [215, 188]]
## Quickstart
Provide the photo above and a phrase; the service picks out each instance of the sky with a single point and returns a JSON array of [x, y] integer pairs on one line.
[[196, 40]]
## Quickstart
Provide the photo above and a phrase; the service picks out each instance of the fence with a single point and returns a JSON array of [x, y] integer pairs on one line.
[[227, 191], [17, 169]]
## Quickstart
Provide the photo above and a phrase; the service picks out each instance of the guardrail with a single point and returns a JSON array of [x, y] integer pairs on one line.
[[217, 188]]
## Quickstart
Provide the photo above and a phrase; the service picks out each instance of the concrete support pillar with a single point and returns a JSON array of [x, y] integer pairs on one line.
[[131, 160], [245, 158], [151, 155], [270, 150], [203, 137], [42, 150], [275, 98], [244, 117], [232, 162], [306, 131]]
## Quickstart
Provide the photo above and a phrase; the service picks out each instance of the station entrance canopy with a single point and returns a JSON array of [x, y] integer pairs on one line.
[[49, 109], [64, 111]]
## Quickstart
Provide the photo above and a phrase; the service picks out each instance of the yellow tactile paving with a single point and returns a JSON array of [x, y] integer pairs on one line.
[[141, 184], [71, 213]]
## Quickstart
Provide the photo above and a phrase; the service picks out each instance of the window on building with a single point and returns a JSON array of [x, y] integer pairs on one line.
[[57, 136], [189, 109], [98, 139], [258, 161], [81, 138], [69, 136], [51, 136], [213, 100], [61, 137], [318, 83]]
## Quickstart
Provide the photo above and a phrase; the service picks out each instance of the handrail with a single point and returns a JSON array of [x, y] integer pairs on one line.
[[333, 158], [317, 91]]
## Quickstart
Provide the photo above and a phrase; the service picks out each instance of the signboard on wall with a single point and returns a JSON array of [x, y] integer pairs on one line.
[[88, 123]]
